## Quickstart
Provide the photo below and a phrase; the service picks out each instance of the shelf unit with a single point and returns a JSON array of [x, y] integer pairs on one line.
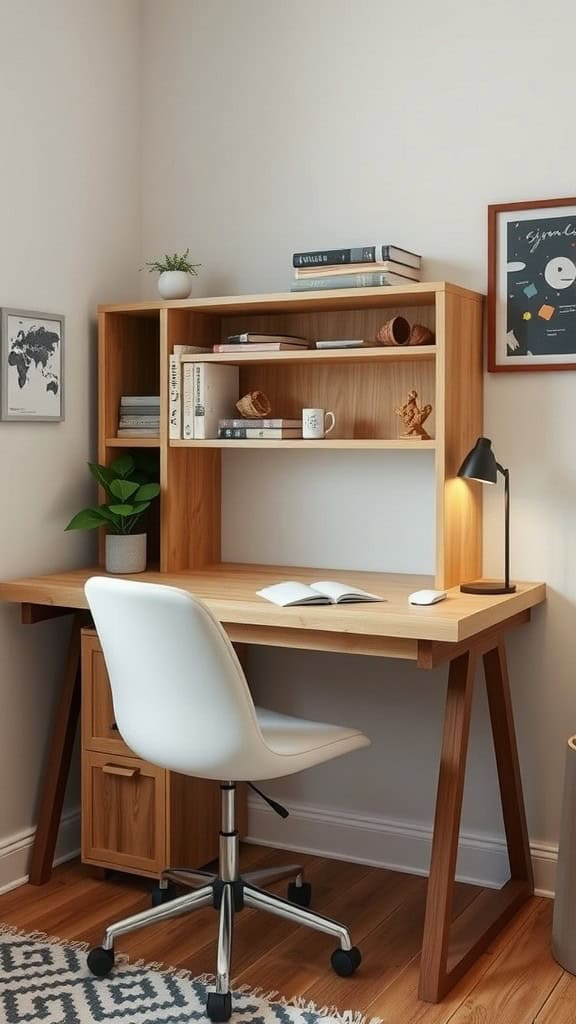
[[362, 386]]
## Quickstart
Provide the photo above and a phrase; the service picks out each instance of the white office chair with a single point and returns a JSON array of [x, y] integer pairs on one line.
[[181, 701]]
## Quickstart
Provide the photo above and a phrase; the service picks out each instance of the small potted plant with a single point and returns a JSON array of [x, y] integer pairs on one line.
[[129, 492], [176, 273]]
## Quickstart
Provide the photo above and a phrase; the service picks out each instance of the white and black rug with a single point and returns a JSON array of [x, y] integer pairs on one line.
[[45, 981]]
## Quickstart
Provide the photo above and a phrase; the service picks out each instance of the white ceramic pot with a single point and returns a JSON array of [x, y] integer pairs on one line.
[[175, 284], [125, 553]]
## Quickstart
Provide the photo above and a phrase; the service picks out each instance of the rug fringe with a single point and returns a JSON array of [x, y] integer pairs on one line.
[[250, 992]]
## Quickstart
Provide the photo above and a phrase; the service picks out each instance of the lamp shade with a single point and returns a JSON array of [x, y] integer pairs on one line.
[[480, 463]]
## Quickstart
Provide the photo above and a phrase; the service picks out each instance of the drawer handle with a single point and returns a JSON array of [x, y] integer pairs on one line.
[[119, 769]]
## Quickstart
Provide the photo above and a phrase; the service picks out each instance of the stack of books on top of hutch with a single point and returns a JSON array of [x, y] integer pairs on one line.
[[363, 266]]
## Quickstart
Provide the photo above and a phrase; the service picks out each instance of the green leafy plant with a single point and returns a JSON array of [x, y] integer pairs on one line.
[[178, 261], [129, 492]]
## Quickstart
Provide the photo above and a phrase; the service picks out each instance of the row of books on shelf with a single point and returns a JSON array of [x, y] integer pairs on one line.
[[364, 266], [202, 406]]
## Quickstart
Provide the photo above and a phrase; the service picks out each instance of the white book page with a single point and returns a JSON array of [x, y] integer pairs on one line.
[[340, 593], [291, 592]]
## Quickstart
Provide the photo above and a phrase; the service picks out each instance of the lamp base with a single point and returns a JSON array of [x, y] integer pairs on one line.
[[487, 587]]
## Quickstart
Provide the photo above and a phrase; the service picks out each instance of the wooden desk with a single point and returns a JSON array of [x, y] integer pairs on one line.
[[459, 630]]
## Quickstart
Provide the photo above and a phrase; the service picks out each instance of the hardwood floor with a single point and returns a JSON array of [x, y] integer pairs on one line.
[[515, 982]]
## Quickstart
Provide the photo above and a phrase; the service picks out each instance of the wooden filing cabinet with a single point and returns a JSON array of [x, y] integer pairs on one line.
[[137, 817]]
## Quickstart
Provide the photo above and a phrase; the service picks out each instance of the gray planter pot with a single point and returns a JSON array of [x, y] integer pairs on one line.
[[125, 554]]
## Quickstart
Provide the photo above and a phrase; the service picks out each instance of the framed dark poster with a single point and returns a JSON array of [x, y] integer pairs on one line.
[[532, 286]]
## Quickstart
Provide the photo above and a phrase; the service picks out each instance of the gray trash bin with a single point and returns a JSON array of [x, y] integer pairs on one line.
[[564, 927]]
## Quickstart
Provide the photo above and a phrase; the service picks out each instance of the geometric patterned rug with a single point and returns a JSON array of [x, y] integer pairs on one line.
[[45, 981]]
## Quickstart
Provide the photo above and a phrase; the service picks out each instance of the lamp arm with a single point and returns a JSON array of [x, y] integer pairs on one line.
[[506, 474]]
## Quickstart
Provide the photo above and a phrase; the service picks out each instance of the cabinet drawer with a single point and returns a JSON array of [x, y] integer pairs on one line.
[[99, 730], [123, 812]]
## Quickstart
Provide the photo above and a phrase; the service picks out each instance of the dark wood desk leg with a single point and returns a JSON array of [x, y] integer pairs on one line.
[[446, 827], [58, 767], [443, 962], [506, 750]]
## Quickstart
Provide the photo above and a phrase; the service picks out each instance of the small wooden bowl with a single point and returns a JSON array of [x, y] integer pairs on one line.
[[255, 405], [420, 335], [394, 332]]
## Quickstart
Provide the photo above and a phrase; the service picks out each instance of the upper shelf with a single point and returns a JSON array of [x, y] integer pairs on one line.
[[379, 354], [422, 294]]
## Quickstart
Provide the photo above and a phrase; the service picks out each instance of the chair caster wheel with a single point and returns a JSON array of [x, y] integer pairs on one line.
[[219, 1006], [345, 961], [100, 961], [300, 894], [160, 896]]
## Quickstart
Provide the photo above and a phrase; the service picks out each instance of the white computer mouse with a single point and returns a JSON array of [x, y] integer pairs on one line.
[[427, 596]]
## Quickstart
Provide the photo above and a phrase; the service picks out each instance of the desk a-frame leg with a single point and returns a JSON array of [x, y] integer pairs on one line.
[[448, 952], [59, 757]]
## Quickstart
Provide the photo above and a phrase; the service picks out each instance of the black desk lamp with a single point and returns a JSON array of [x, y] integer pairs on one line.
[[480, 464]]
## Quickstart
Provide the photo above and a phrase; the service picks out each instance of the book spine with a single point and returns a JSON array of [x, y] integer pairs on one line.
[[252, 433], [381, 267], [135, 432], [261, 424], [139, 421], [332, 257], [188, 401], [174, 399], [140, 400], [265, 346], [199, 401], [344, 281], [139, 410]]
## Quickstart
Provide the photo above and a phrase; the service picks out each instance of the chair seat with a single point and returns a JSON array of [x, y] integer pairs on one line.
[[301, 743]]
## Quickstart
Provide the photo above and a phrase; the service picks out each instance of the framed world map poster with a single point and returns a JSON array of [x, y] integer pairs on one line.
[[532, 286], [32, 366]]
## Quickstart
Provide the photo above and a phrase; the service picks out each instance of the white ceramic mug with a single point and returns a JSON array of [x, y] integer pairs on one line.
[[314, 423]]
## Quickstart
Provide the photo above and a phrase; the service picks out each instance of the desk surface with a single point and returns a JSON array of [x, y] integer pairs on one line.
[[229, 590]]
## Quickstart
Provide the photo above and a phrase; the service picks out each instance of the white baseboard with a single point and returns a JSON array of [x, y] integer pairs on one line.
[[397, 845], [15, 851]]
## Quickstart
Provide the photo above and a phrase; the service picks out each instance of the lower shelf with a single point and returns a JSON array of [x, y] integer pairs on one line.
[[338, 444], [132, 442]]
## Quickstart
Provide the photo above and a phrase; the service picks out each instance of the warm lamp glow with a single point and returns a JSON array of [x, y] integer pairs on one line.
[[480, 464]]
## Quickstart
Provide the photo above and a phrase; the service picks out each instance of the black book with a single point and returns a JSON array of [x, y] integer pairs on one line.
[[358, 254]]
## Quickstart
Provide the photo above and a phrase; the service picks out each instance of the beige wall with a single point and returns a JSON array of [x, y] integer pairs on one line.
[[276, 126], [69, 236]]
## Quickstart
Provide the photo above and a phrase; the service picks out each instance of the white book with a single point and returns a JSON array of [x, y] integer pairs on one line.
[[292, 592], [188, 401], [174, 399], [215, 396], [175, 388], [341, 343]]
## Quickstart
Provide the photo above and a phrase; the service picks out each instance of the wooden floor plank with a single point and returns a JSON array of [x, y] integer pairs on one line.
[[560, 1007], [304, 955], [514, 988], [399, 1001], [386, 948], [514, 982]]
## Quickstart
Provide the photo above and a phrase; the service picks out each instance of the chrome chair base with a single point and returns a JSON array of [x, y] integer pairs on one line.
[[229, 892]]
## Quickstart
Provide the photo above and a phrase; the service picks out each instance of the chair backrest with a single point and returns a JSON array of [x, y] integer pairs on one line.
[[180, 696]]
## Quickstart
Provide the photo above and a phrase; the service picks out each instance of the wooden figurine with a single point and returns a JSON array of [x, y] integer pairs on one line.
[[414, 416]]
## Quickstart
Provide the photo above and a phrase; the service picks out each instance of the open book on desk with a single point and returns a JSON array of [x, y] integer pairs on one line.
[[325, 592]]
